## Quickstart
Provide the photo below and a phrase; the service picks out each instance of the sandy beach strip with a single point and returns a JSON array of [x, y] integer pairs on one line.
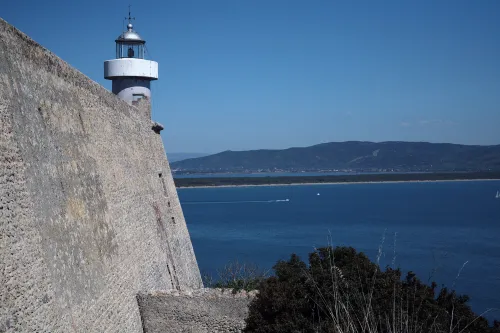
[[344, 183]]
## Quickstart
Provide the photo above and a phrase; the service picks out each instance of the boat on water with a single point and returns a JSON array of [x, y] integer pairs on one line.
[[498, 195]]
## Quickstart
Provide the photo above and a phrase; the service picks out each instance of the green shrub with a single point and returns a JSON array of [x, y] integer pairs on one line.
[[343, 291]]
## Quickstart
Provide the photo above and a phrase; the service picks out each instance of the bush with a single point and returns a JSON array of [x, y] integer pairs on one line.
[[236, 276], [343, 291]]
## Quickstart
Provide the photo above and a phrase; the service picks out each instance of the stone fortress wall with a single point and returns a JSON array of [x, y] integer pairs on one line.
[[89, 214]]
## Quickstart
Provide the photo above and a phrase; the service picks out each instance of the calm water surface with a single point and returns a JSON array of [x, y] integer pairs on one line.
[[431, 228]]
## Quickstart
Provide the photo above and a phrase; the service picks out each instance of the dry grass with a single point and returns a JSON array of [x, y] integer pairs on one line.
[[237, 276]]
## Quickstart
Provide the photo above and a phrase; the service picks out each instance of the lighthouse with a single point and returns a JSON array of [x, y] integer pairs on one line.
[[130, 72]]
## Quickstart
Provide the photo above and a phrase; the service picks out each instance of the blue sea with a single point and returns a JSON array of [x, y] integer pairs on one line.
[[431, 228]]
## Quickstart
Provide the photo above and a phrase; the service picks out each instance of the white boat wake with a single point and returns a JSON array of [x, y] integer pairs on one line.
[[231, 202]]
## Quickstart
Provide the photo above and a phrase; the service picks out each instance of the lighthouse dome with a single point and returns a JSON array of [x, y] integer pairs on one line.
[[130, 36]]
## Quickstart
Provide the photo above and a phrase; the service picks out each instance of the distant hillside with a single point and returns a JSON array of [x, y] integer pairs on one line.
[[353, 155], [174, 157]]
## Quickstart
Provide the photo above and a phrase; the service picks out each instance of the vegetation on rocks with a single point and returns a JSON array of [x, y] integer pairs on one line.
[[341, 290]]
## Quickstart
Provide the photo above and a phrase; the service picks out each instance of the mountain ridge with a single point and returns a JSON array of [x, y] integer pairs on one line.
[[352, 155], [174, 157]]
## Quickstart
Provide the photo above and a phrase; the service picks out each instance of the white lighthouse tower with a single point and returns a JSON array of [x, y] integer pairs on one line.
[[130, 72]]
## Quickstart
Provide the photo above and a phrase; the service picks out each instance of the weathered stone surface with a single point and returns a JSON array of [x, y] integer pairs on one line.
[[199, 311], [89, 214]]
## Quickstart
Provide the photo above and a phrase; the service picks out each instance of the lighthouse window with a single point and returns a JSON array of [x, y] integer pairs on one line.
[[136, 98], [129, 50]]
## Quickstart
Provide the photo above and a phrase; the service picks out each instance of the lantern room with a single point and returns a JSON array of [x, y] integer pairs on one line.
[[129, 44]]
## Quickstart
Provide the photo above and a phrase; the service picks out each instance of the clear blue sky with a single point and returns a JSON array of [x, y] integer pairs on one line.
[[253, 74]]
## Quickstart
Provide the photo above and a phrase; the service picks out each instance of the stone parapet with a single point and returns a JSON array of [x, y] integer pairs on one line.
[[199, 311]]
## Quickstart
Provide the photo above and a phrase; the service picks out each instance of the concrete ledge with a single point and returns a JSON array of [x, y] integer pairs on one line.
[[202, 310]]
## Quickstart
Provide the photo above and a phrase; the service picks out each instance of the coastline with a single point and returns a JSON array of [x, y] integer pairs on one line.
[[344, 183]]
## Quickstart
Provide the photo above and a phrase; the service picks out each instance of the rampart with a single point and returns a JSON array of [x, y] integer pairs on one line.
[[89, 212]]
